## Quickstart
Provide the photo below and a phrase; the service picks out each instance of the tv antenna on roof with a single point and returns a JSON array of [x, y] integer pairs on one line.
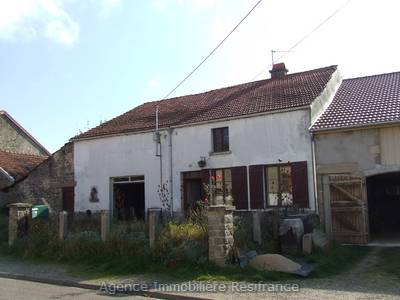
[[279, 51]]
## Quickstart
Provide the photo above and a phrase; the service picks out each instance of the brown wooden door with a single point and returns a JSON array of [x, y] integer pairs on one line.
[[192, 193], [349, 209], [68, 201]]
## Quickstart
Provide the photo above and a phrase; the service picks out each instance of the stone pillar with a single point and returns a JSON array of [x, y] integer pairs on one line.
[[257, 233], [62, 225], [19, 216], [220, 233], [154, 221], [105, 225]]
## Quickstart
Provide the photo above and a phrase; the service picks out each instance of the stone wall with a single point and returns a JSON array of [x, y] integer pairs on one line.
[[45, 183], [13, 140]]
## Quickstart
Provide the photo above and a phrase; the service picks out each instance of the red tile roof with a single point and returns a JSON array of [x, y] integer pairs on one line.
[[363, 101], [291, 91], [19, 165]]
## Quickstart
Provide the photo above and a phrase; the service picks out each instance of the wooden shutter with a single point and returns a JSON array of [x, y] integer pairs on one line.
[[256, 187], [300, 184], [239, 187], [205, 180]]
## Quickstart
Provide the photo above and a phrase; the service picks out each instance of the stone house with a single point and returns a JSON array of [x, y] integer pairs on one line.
[[20, 152], [357, 153], [28, 173], [250, 143], [51, 182]]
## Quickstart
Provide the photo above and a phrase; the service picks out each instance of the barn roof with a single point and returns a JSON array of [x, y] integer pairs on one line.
[[363, 101]]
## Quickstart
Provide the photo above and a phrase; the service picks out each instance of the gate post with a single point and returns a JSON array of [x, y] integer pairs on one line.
[[220, 233], [105, 225], [19, 216], [327, 206], [154, 221], [257, 232], [62, 225]]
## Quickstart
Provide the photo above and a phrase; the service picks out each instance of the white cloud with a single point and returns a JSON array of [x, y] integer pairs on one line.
[[198, 4], [27, 19], [160, 4], [154, 81], [194, 4]]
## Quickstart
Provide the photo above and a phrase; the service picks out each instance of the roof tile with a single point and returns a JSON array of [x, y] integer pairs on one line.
[[293, 90], [363, 101], [19, 165]]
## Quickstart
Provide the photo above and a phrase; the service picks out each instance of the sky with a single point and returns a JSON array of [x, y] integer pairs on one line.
[[67, 65]]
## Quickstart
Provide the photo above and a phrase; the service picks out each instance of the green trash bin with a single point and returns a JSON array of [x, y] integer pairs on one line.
[[40, 212]]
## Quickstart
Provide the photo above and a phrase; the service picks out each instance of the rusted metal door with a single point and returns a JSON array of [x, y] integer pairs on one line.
[[348, 209]]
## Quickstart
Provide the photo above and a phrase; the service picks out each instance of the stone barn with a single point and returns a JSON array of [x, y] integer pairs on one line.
[[28, 173], [357, 153]]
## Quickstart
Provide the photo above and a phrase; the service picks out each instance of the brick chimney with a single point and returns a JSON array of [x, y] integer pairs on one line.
[[278, 71]]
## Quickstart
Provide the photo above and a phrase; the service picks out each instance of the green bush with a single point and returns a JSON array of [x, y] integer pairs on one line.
[[182, 243]]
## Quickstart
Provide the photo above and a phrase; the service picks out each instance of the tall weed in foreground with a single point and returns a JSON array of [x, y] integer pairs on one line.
[[180, 244]]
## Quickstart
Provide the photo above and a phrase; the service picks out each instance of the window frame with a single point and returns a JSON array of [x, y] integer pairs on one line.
[[266, 183], [221, 133], [213, 181]]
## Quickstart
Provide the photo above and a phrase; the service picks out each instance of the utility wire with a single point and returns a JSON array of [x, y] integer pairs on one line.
[[212, 52], [304, 37]]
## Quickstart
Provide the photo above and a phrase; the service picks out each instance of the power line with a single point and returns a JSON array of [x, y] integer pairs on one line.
[[305, 37], [212, 52]]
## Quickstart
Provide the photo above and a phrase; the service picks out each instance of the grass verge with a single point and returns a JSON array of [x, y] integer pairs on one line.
[[88, 257], [389, 261]]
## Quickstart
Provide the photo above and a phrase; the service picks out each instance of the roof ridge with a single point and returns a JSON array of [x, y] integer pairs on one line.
[[369, 76], [25, 154], [239, 84], [24, 131]]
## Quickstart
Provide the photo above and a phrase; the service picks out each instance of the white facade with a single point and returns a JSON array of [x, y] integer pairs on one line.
[[263, 139]]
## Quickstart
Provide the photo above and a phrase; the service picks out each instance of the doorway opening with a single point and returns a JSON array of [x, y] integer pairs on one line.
[[192, 190], [128, 198], [68, 202], [384, 206]]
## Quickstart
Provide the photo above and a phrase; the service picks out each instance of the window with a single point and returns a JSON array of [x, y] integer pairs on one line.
[[279, 185], [221, 180], [220, 139]]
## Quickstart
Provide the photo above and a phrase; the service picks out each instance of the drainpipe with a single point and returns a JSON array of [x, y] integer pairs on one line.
[[171, 178], [314, 166], [157, 139]]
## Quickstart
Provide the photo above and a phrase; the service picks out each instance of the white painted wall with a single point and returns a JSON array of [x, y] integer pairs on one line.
[[253, 140]]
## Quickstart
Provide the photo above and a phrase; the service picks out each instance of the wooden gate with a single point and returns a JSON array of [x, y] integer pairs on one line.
[[348, 209]]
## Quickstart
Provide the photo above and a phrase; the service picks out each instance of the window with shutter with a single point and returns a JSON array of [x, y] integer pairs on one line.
[[256, 187], [230, 184], [239, 187], [279, 185], [220, 139], [300, 184]]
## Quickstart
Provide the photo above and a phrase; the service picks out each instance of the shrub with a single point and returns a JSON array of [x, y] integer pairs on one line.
[[85, 222], [82, 245], [182, 243]]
